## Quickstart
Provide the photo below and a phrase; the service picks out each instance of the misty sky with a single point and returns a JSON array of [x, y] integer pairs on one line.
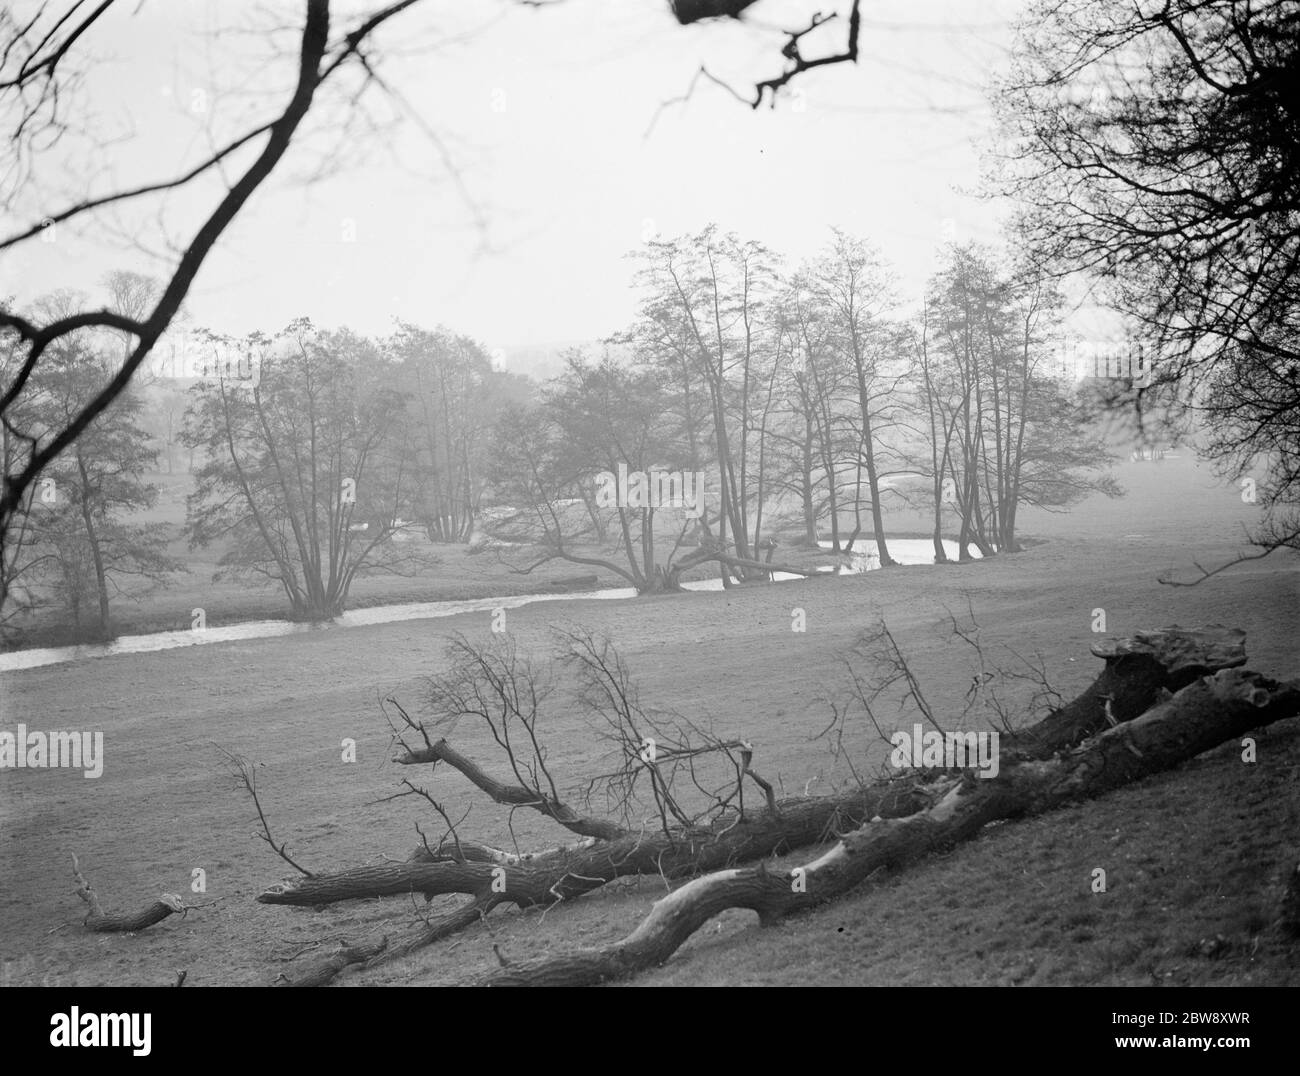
[[552, 121]]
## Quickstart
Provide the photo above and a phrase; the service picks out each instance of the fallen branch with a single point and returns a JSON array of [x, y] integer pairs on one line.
[[102, 923], [245, 772], [510, 795], [363, 959], [344, 957], [1267, 546]]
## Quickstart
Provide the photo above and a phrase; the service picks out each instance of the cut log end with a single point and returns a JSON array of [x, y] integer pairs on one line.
[[1177, 649]]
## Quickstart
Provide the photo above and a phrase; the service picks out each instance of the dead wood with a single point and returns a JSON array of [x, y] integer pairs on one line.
[[1200, 716], [102, 923], [1139, 672]]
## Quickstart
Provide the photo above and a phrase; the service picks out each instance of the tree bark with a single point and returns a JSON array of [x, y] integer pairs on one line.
[[96, 551]]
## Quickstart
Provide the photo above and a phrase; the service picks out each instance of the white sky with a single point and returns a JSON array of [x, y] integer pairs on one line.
[[545, 114]]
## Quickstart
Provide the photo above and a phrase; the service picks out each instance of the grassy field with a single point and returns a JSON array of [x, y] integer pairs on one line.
[[1194, 857]]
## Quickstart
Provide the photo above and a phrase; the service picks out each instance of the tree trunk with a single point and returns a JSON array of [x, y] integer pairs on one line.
[[873, 487], [96, 553], [937, 462], [563, 874], [1138, 671], [806, 484], [599, 525], [1201, 716], [491, 877]]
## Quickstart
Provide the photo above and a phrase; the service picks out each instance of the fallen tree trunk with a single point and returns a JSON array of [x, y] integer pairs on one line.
[[491, 877], [672, 575], [571, 872], [1197, 718], [767, 566], [1138, 669]]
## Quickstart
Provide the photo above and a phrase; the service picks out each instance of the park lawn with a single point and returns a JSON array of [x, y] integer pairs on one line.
[[1190, 855]]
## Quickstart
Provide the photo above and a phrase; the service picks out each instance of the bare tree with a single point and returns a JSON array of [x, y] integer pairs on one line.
[[705, 315], [1003, 431], [815, 433], [851, 284], [310, 471], [1155, 148]]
